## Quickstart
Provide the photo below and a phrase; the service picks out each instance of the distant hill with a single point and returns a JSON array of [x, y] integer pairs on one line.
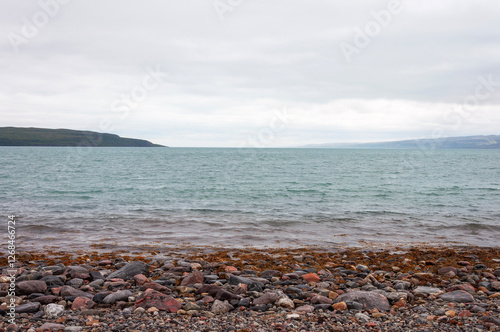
[[12, 136], [466, 142]]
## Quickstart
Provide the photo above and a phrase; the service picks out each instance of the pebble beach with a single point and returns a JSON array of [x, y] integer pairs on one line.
[[419, 288]]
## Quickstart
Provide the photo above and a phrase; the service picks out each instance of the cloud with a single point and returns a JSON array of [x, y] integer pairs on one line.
[[225, 78]]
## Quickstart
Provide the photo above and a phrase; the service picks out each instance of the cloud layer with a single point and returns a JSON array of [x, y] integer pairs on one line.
[[225, 69]]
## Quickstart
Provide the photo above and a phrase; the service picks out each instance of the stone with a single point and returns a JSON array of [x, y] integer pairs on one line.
[[427, 290], [285, 302], [362, 318], [252, 285], [82, 303], [196, 277], [268, 274], [29, 307], [130, 270], [30, 286], [52, 327], [53, 310], [369, 300], [267, 298], [230, 269], [53, 281], [305, 308], [121, 295], [219, 307], [75, 282], [491, 319], [46, 299], [191, 306], [71, 291], [457, 296], [223, 295], [311, 277], [151, 298], [140, 279], [465, 287], [447, 269], [339, 306], [318, 299]]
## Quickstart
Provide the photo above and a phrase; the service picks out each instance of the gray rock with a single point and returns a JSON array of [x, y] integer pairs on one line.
[[54, 281], [75, 282], [457, 296], [71, 291], [427, 290], [52, 327], [252, 285], [121, 295], [219, 307], [362, 318], [53, 310], [305, 308], [130, 270], [369, 300], [28, 307]]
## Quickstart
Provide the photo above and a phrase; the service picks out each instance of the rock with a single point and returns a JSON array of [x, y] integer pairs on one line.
[[305, 308], [52, 327], [82, 303], [53, 281], [369, 300], [252, 285], [491, 319], [230, 269], [130, 270], [219, 307], [339, 306], [457, 296], [75, 282], [427, 290], [311, 277], [70, 291], [402, 285], [193, 278], [151, 298], [318, 299], [268, 274], [140, 279], [465, 287], [28, 307], [362, 318], [30, 286], [285, 302], [396, 296], [121, 295], [46, 299], [223, 295], [191, 306], [267, 298], [447, 269], [53, 310]]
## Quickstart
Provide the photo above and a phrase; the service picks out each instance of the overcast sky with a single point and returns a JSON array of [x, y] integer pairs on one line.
[[252, 72]]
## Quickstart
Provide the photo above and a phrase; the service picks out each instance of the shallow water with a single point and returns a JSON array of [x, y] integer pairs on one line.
[[69, 197]]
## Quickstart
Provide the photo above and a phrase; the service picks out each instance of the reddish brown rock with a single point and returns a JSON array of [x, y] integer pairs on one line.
[[193, 278], [31, 286], [311, 277], [140, 279], [157, 287], [151, 298], [82, 303]]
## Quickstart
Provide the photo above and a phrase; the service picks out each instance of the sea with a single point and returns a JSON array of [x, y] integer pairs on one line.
[[77, 198]]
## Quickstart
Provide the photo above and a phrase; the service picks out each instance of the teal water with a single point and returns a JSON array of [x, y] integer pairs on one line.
[[258, 197]]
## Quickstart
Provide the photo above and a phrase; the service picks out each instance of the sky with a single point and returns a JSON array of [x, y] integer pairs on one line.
[[252, 73]]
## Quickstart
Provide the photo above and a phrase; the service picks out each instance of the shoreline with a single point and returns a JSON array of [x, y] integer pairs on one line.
[[414, 288]]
